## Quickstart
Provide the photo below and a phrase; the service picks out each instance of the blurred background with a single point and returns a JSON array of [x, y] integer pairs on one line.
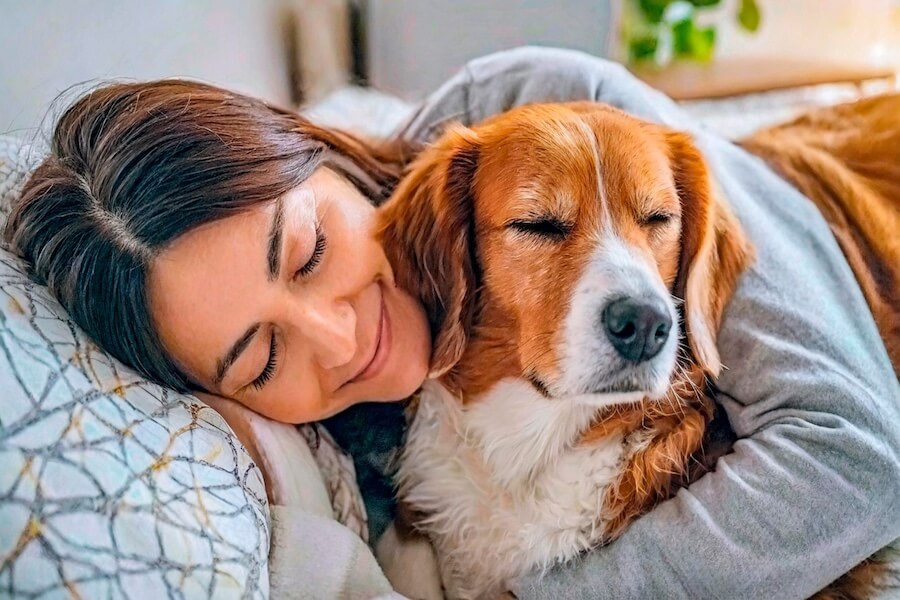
[[735, 63]]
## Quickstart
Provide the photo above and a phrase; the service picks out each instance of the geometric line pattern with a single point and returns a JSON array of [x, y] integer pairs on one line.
[[110, 486]]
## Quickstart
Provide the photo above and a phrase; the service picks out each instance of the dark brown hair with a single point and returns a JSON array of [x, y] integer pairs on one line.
[[134, 166]]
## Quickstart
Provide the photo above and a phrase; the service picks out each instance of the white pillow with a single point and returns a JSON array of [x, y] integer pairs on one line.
[[111, 486]]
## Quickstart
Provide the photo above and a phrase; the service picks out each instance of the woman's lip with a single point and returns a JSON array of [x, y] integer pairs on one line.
[[382, 347]]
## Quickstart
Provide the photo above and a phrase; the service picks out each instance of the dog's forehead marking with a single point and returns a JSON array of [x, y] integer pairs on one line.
[[590, 138]]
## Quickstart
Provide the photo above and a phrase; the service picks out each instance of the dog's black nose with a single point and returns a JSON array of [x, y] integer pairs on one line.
[[637, 328]]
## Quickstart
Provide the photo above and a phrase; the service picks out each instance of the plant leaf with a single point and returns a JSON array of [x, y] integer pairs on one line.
[[703, 43], [705, 3], [643, 48], [653, 9], [691, 42], [682, 38], [748, 15]]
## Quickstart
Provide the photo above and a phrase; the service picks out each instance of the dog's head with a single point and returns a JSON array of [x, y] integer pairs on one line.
[[565, 244]]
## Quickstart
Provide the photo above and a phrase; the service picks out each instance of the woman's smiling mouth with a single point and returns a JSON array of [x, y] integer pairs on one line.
[[381, 349]]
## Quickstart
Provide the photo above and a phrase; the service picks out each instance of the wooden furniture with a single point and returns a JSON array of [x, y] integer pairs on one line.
[[736, 76]]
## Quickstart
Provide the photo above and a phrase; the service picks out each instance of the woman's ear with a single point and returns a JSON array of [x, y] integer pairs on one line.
[[426, 230], [714, 251]]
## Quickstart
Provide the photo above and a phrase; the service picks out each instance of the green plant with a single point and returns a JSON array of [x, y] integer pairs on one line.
[[660, 31]]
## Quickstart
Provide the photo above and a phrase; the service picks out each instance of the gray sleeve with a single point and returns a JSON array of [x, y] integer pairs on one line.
[[500, 81], [813, 485]]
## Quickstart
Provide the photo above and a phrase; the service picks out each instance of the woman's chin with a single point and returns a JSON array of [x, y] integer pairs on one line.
[[399, 384], [409, 382]]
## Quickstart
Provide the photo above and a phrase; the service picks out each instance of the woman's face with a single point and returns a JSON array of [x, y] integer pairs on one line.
[[291, 308]]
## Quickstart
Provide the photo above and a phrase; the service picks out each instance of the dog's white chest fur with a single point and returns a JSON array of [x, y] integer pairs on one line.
[[502, 484]]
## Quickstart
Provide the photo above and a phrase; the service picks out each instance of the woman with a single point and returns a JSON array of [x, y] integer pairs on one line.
[[217, 244]]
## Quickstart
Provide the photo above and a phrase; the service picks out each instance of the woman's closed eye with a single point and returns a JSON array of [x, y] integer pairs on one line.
[[269, 370], [315, 258]]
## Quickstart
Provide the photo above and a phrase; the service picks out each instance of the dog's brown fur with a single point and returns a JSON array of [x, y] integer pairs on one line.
[[428, 232], [846, 159]]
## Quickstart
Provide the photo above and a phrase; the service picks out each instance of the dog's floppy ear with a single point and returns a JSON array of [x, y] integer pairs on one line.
[[426, 231], [714, 251]]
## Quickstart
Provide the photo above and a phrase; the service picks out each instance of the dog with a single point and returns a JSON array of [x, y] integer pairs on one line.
[[575, 263], [564, 399]]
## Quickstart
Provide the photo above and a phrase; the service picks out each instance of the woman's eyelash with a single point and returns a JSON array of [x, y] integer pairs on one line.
[[316, 257], [269, 370]]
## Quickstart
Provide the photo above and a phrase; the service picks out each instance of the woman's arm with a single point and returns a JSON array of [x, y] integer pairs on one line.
[[813, 486]]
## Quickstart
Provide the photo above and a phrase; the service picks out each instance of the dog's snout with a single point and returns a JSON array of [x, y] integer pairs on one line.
[[637, 328]]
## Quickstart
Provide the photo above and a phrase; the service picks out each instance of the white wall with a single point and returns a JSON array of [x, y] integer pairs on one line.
[[48, 45], [414, 45]]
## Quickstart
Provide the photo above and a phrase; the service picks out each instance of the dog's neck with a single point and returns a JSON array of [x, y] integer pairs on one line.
[[516, 431], [519, 432], [491, 356], [514, 427]]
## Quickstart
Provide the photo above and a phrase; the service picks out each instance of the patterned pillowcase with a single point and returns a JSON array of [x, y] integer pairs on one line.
[[111, 486]]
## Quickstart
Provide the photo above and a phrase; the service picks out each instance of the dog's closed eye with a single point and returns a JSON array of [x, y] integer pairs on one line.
[[656, 219], [545, 227]]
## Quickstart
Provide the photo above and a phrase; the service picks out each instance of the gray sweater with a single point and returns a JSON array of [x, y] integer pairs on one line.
[[813, 484]]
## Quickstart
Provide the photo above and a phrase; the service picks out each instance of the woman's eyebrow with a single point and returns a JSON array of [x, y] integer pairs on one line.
[[273, 255], [233, 353]]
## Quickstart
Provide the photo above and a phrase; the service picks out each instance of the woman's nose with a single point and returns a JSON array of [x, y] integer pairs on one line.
[[330, 328]]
